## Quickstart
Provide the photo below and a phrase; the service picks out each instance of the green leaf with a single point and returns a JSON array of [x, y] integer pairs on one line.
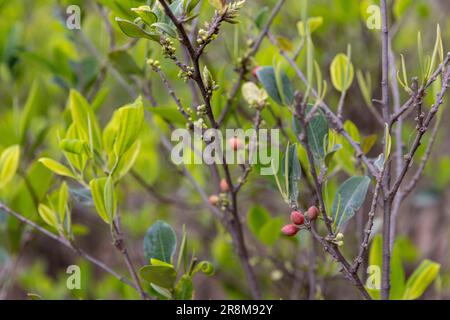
[[252, 94], [270, 232], [182, 251], [206, 267], [110, 198], [146, 14], [160, 242], [166, 28], [317, 133], [185, 288], [292, 172], [160, 292], [48, 215], [36, 97], [84, 120], [97, 187], [313, 24], [267, 76], [74, 146], [131, 119], [397, 273], [368, 143], [257, 217], [9, 162], [376, 251], [56, 167], [387, 142], [420, 280], [349, 198], [63, 197], [342, 72], [163, 276], [134, 31]]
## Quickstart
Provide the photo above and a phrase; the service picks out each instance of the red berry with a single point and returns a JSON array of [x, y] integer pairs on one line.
[[213, 199], [313, 213], [235, 143], [255, 69], [297, 218], [290, 230], [224, 185]]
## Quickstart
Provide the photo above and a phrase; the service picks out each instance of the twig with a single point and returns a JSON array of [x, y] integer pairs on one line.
[[385, 102], [333, 119], [243, 69], [67, 244]]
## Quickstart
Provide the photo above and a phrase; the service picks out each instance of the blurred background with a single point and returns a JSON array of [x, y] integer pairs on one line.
[[41, 59]]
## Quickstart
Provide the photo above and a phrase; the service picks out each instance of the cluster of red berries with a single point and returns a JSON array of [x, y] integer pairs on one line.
[[298, 219]]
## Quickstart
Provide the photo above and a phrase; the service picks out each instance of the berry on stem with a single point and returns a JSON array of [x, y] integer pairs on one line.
[[235, 143], [224, 187], [290, 230], [255, 70], [213, 199], [313, 213], [297, 218]]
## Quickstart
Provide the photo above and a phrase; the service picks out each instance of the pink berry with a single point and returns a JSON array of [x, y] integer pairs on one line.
[[255, 70], [224, 187], [235, 143], [313, 213], [297, 218], [290, 230], [213, 199]]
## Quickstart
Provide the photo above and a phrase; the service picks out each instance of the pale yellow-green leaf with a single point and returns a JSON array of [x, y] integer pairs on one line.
[[9, 162], [97, 187], [63, 197], [128, 160], [387, 142], [84, 120], [252, 94], [419, 281], [342, 72], [109, 198], [313, 23], [56, 167], [48, 215], [131, 118]]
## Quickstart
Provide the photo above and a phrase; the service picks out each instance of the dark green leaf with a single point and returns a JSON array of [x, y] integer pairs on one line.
[[160, 242], [267, 77], [292, 173], [349, 198], [163, 276]]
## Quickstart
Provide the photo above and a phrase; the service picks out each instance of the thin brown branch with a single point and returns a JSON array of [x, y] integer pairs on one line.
[[67, 244]]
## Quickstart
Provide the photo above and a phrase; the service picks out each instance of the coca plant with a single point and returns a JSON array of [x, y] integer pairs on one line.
[[330, 172]]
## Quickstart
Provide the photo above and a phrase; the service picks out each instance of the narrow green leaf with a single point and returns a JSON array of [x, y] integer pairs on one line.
[[421, 279], [9, 162], [56, 167], [349, 198], [48, 215], [97, 187]]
